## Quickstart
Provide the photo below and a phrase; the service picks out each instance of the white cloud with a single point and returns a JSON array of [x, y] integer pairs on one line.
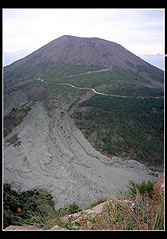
[[139, 30]]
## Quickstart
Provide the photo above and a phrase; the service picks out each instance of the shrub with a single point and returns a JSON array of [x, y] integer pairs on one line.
[[33, 202], [143, 188], [73, 208]]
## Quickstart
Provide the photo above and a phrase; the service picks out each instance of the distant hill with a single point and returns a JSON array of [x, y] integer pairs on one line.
[[79, 51], [10, 57], [155, 60]]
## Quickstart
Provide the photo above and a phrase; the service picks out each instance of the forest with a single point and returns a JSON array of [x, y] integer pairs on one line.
[[131, 128]]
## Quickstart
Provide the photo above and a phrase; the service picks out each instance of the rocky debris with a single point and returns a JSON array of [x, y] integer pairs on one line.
[[55, 156], [14, 100]]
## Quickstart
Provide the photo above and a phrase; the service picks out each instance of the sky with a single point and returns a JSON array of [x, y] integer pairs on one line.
[[141, 31]]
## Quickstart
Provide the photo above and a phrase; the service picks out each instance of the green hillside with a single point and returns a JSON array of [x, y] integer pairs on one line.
[[130, 128]]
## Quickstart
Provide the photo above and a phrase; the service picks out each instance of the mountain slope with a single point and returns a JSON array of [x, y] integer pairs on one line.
[[79, 51]]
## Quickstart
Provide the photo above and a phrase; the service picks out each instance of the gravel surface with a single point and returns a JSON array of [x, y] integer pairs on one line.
[[54, 155]]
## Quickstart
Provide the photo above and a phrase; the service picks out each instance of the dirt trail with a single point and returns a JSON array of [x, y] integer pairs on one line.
[[55, 156], [100, 93], [89, 72]]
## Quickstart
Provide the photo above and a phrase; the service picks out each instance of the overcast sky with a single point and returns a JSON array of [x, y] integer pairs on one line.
[[139, 30]]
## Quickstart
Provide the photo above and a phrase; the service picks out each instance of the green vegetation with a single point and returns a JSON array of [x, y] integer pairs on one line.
[[32, 207], [143, 187], [15, 118], [131, 128], [116, 81], [132, 91], [158, 75], [46, 70], [73, 208], [25, 207], [60, 70]]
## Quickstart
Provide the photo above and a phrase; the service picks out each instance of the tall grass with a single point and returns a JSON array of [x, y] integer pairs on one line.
[[145, 213]]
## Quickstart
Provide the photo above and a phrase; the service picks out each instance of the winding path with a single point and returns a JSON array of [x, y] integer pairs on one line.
[[100, 93]]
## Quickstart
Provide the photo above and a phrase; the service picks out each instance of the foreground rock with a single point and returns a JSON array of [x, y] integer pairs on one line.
[[22, 228], [160, 184], [73, 218]]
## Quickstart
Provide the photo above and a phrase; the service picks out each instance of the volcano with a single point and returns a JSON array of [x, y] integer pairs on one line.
[[79, 51]]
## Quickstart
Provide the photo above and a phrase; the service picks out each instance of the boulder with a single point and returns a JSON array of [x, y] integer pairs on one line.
[[160, 183]]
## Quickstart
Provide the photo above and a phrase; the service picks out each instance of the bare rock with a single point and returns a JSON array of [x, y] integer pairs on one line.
[[160, 182], [22, 228], [57, 228]]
